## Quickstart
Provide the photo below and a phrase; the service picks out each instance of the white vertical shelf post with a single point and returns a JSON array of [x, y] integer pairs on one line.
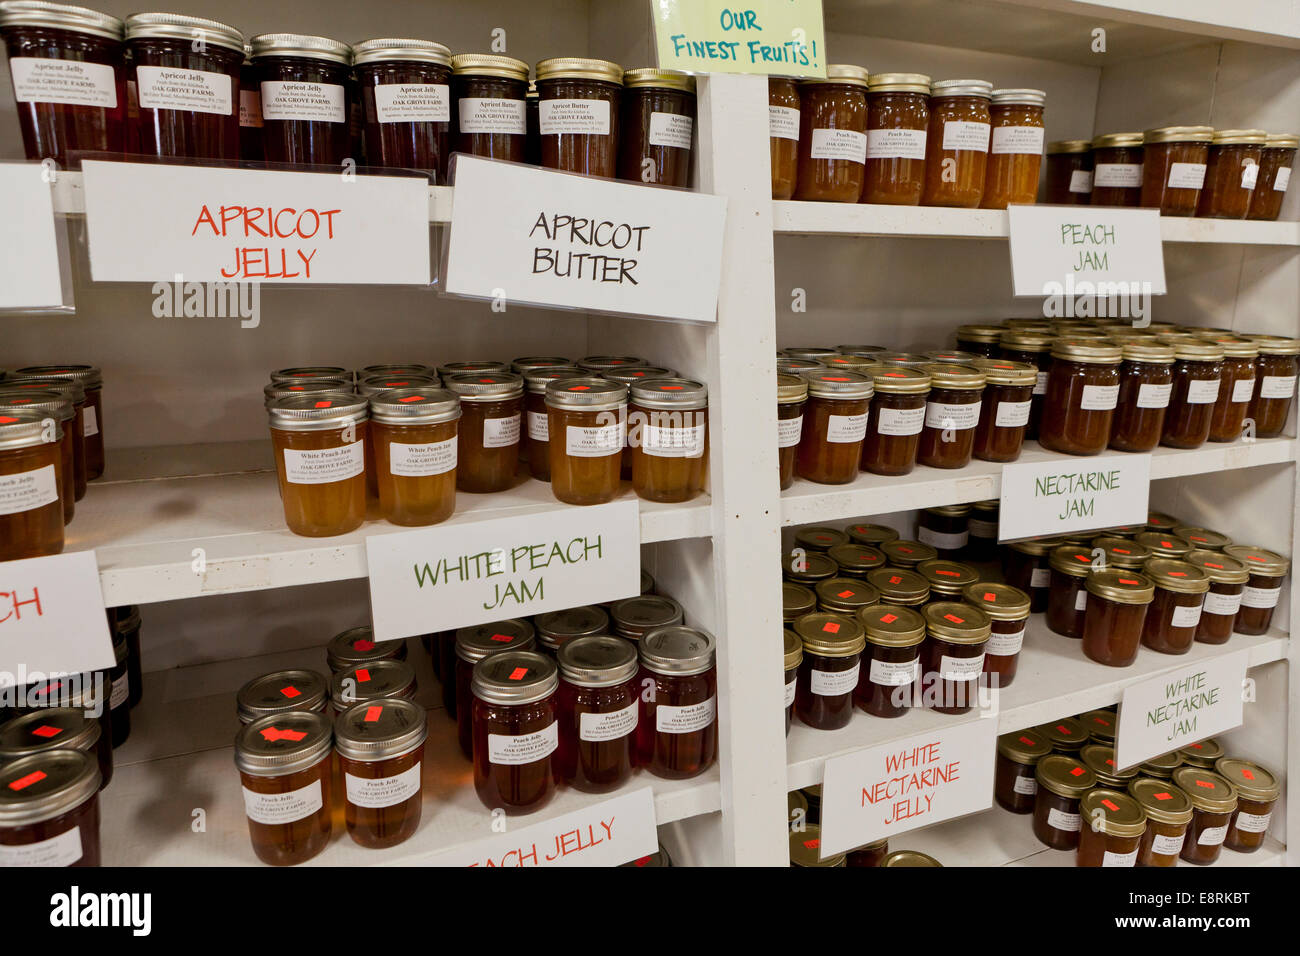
[[733, 142]]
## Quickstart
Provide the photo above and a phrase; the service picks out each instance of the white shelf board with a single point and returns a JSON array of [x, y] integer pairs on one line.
[[1054, 680], [223, 498], [805, 502]]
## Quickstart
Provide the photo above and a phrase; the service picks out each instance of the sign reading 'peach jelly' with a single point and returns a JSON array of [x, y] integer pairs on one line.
[[51, 615]]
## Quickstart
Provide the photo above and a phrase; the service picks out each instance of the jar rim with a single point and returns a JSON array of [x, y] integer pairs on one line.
[[1001, 602], [898, 83], [1163, 802], [1179, 134], [309, 687], [478, 641], [1207, 790], [414, 406], [578, 68], [1221, 568], [1259, 560], [1117, 140], [844, 73], [401, 49], [1240, 137], [835, 383], [175, 26], [489, 64], [87, 376], [537, 379], [1089, 351], [1178, 576], [301, 45], [909, 587], [589, 394], [319, 411], [899, 379], [23, 426], [790, 388], [486, 386], [649, 76], [677, 650], [1283, 141], [1023, 747], [1061, 146], [1121, 587], [669, 392], [892, 626], [60, 16], [954, 375], [16, 740], [830, 634]]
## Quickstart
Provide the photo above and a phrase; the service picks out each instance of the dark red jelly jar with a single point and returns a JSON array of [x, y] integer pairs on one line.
[[474, 644], [380, 745], [186, 74], [1068, 598], [888, 684], [598, 706], [1146, 382], [1117, 602], [1062, 782], [1228, 578], [58, 728], [1198, 369], [1214, 801], [491, 113], [406, 94], [1082, 391], [1025, 565], [1014, 783], [677, 730], [952, 410], [1005, 408], [284, 764], [1175, 614], [657, 127], [1261, 594], [578, 114], [515, 730], [303, 82], [832, 654], [49, 810], [1008, 609], [953, 656], [1113, 826]]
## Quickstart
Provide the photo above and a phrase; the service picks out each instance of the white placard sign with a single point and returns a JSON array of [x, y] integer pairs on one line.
[[151, 223], [883, 791], [608, 833], [1180, 707], [450, 576], [1074, 251], [1073, 494], [31, 247], [52, 618], [555, 239]]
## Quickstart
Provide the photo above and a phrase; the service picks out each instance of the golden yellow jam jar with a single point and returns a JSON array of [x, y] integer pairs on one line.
[[667, 433], [957, 143], [319, 443], [413, 431], [833, 135], [1015, 149], [587, 419], [491, 405]]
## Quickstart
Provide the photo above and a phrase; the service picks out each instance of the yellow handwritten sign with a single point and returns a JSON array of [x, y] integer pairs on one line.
[[777, 37]]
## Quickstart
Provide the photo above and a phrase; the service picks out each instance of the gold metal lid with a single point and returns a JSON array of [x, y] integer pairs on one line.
[[1251, 780], [1069, 146], [1202, 754], [1240, 137], [888, 625], [1159, 521], [947, 577], [297, 44], [489, 64], [1113, 812], [1206, 789], [953, 356], [1163, 766], [906, 553], [1088, 351], [174, 26], [1001, 602], [1203, 538], [1162, 801], [855, 363], [1148, 349], [898, 83], [1179, 134], [389, 49], [898, 379], [1259, 560], [909, 359], [979, 332], [949, 511], [838, 384], [899, 585], [1122, 553], [857, 559], [1065, 734], [871, 534], [1100, 725], [790, 388], [845, 73], [819, 537], [1116, 140], [1234, 346], [909, 858], [1220, 568], [1024, 747], [1283, 141], [1007, 372], [1037, 547], [793, 649], [830, 635], [1276, 345], [1177, 576], [1072, 560], [1122, 586], [980, 88], [1064, 776], [1100, 759], [952, 375], [578, 68], [59, 16], [805, 848], [796, 600], [1162, 544], [956, 623], [661, 79], [1027, 340], [845, 595], [1035, 323], [1194, 349], [808, 568], [866, 351]]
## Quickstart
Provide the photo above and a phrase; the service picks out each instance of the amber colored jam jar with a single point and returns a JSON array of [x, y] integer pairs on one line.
[[597, 705], [1005, 408], [945, 528], [1169, 811], [808, 567], [1008, 609], [537, 441], [1112, 830], [1082, 392], [1202, 754], [792, 657], [845, 596], [515, 730], [834, 425], [285, 767], [281, 692], [947, 579], [51, 404], [979, 341], [1014, 783], [1025, 565], [1146, 382], [957, 144], [1198, 367], [828, 674], [1062, 782], [833, 135], [380, 746], [1100, 759], [1260, 596], [1236, 387], [1033, 347], [1173, 168], [898, 116], [406, 97], [1115, 618], [952, 659], [1275, 164], [1228, 578], [1175, 612], [783, 134], [90, 380], [49, 810], [895, 420], [1100, 725], [556, 628], [658, 123], [952, 411], [413, 431], [982, 528], [1016, 151], [1275, 385], [31, 484], [856, 560], [1069, 173], [319, 443], [1068, 601], [677, 729], [57, 728], [1117, 169], [890, 682], [373, 681], [805, 849], [578, 114], [1214, 801], [1232, 173], [667, 433], [588, 417], [491, 405], [1164, 544], [357, 646], [490, 92], [303, 82], [1258, 791], [474, 644]]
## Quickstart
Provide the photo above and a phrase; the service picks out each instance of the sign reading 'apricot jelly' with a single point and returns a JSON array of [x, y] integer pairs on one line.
[[458, 575], [1074, 494], [150, 223], [525, 235]]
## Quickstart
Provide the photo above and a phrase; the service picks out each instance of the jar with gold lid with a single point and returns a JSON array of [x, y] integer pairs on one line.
[[83, 385], [832, 652], [1228, 578], [834, 425], [1112, 829], [471, 645], [1069, 172], [899, 587], [487, 451], [57, 728], [1232, 173], [796, 600], [1203, 753], [1014, 783], [285, 768], [658, 126], [805, 849], [947, 579], [357, 646], [872, 535], [32, 481], [792, 650], [668, 423], [578, 114], [1117, 169], [1203, 539], [791, 397], [1169, 811], [319, 444], [845, 595], [1275, 384], [945, 528], [490, 92], [1067, 735], [807, 567], [1005, 408], [597, 711], [1161, 767], [957, 143], [1275, 164], [1236, 386], [783, 133], [1068, 602], [1122, 553], [1258, 791], [953, 656], [1082, 392], [1175, 612], [1146, 382], [1163, 544], [1033, 347], [819, 537], [898, 115], [1261, 593], [1062, 782], [634, 618], [1016, 151], [889, 684], [833, 135], [952, 411], [56, 405], [903, 553], [1008, 610], [1198, 368], [1100, 759], [896, 417], [856, 560], [1173, 168], [1214, 800]]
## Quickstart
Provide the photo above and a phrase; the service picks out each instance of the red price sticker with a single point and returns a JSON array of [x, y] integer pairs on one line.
[[290, 691]]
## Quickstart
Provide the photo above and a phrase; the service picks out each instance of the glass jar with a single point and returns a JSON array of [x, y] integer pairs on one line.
[[905, 554], [946, 529], [537, 445], [285, 768], [1014, 783], [677, 729], [357, 646], [634, 618], [1100, 759], [49, 810], [805, 849], [57, 728], [31, 483], [1274, 176], [1008, 610], [251, 148], [1173, 168], [1062, 782], [1033, 347], [895, 419], [303, 82], [87, 379], [1168, 811], [833, 135], [1277, 366], [1116, 615], [873, 854], [1260, 595], [1231, 173], [591, 415], [1114, 829], [783, 134], [87, 693], [957, 144], [667, 434], [890, 682], [1004, 409], [791, 397], [1146, 382], [578, 106], [1122, 553], [856, 560], [1228, 578], [847, 596], [557, 628], [125, 621], [319, 447], [1214, 801], [119, 678], [828, 673], [1082, 391], [490, 93], [1016, 153], [1175, 613], [658, 123], [281, 692], [1258, 791], [1117, 169], [406, 98], [1069, 173], [473, 645], [1067, 735], [871, 535], [947, 579], [413, 433], [819, 538], [1026, 566], [515, 730], [983, 528], [1236, 387], [834, 425], [898, 115], [370, 682], [1068, 600], [1202, 754], [953, 656], [792, 657], [1198, 367], [597, 706], [899, 587], [380, 746], [487, 451], [51, 404], [979, 341], [952, 411], [796, 601], [1162, 544]]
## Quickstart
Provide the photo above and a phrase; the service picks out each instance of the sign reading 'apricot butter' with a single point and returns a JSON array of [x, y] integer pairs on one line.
[[1081, 255], [1073, 494], [523, 235], [150, 223], [458, 575], [51, 612], [782, 37]]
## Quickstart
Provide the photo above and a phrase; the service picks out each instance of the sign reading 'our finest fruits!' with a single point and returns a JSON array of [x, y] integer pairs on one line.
[[779, 37]]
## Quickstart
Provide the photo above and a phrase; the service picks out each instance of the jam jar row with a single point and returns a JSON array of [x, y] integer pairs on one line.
[[900, 139]]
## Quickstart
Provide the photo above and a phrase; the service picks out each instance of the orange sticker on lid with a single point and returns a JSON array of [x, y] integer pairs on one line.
[[1028, 740], [1254, 557], [1194, 537], [893, 375], [365, 644], [373, 713], [1195, 747], [1082, 557], [580, 388], [502, 637], [1129, 581], [1101, 720], [835, 378], [888, 618], [22, 783], [895, 579], [1178, 574], [1211, 564], [1163, 795], [990, 597], [812, 844], [411, 398], [1063, 729], [830, 627], [1110, 805], [905, 550], [7, 419], [275, 733], [326, 403], [845, 593], [290, 691], [954, 618], [671, 388], [1121, 550], [519, 673], [1207, 784], [1247, 774], [363, 675], [1166, 544], [1078, 772], [46, 731], [949, 574]]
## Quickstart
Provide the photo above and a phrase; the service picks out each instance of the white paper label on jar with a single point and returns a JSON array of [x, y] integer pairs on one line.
[[956, 417], [894, 673], [597, 441], [512, 750], [1203, 391], [601, 727], [295, 100], [28, 490], [1249, 175], [899, 421], [1212, 836], [1018, 139], [279, 808], [320, 466], [961, 668], [1277, 386], [835, 683], [1167, 845], [783, 123], [788, 431], [1122, 175], [1119, 859], [1282, 179], [1040, 578], [491, 115], [1186, 175], [671, 129], [173, 88], [673, 442], [846, 428], [573, 116], [1224, 604], [1004, 645], [685, 719], [90, 422], [1243, 389], [1253, 822], [839, 144], [1154, 396], [1081, 600], [69, 82], [374, 793], [943, 540], [119, 691], [500, 432], [982, 529], [61, 850], [539, 427], [789, 692], [420, 461], [1099, 398], [895, 144], [1025, 785], [1060, 820], [1259, 597], [413, 103], [250, 109], [1012, 414], [1081, 181], [1186, 616], [959, 134]]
